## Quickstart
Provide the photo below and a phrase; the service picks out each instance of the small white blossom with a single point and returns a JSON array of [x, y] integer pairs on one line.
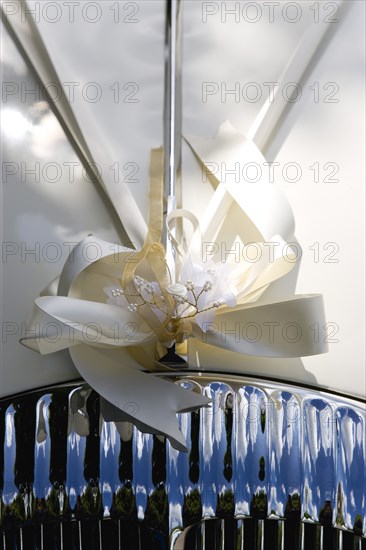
[[149, 288], [116, 292], [116, 296], [207, 286], [177, 289], [138, 281], [189, 285]]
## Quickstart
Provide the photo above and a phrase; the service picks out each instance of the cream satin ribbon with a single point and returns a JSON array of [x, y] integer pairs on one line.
[[111, 345]]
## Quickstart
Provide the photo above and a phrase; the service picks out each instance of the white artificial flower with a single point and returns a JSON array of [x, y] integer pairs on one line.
[[208, 286], [202, 288]]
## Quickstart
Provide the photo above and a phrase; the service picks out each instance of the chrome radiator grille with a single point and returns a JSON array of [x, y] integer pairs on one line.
[[268, 466]]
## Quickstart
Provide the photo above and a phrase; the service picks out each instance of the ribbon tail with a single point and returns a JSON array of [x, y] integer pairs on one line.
[[281, 329], [149, 402]]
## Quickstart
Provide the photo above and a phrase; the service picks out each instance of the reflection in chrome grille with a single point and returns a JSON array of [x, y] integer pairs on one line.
[[267, 466]]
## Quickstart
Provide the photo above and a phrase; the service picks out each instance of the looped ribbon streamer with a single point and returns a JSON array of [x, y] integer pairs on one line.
[[112, 345]]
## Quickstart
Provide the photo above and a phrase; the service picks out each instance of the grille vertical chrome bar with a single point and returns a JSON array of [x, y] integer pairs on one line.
[[240, 535], [203, 535], [222, 536], [282, 535], [61, 537], [302, 536], [261, 529], [100, 535]]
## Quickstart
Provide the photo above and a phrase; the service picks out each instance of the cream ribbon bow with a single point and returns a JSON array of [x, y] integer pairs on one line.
[[111, 341], [109, 344]]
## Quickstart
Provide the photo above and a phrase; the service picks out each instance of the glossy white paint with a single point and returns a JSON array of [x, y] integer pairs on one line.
[[221, 53]]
